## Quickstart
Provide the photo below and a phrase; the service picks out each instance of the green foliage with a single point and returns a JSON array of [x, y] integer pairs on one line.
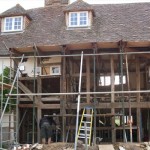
[[5, 78]]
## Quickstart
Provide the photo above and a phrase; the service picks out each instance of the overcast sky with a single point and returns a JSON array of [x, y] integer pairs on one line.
[[27, 4]]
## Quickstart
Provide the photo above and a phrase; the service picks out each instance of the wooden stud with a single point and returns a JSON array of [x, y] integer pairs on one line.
[[113, 98]]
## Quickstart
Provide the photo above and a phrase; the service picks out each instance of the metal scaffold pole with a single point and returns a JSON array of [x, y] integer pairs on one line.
[[94, 67], [78, 104], [2, 88], [81, 93], [33, 116]]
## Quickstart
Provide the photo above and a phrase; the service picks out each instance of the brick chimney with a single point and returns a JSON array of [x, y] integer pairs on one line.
[[56, 2]]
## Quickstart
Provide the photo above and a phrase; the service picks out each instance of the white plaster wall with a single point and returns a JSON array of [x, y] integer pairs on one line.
[[28, 66], [8, 118], [5, 120]]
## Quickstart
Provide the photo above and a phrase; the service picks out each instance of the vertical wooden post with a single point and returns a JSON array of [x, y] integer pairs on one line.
[[63, 90], [113, 98], [138, 98], [39, 111], [88, 78], [71, 89]]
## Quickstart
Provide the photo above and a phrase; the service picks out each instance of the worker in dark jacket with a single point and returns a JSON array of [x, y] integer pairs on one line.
[[46, 129]]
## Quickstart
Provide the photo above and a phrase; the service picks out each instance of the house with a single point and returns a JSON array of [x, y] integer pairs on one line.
[[114, 39]]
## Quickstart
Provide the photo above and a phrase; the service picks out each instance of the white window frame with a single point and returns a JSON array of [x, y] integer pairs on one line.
[[13, 24], [55, 73], [78, 19]]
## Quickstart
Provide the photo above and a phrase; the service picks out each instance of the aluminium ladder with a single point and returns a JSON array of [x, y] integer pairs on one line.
[[85, 128]]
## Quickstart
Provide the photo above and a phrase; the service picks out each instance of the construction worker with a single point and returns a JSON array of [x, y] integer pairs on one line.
[[46, 129]]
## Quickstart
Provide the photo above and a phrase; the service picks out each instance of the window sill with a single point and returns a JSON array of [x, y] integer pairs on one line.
[[78, 28], [12, 32]]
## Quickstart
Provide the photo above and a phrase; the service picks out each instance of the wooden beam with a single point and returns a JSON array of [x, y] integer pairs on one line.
[[51, 106], [13, 50], [114, 105], [138, 99], [26, 90], [127, 49], [5, 86], [63, 89], [88, 78], [104, 128], [113, 98], [26, 105]]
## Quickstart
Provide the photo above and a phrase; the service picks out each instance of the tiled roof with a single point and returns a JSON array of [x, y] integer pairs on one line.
[[78, 5], [113, 22], [3, 49], [14, 11]]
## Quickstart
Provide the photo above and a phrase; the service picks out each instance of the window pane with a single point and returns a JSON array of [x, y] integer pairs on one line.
[[17, 23], [73, 19], [107, 80], [8, 24], [83, 18], [117, 79]]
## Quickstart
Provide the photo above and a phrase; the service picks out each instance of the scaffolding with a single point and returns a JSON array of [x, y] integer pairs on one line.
[[79, 94], [9, 107]]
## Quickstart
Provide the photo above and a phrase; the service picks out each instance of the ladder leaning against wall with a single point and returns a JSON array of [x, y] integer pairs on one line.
[[85, 128]]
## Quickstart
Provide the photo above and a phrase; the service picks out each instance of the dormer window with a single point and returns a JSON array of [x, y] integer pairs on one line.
[[78, 19], [13, 23], [14, 20]]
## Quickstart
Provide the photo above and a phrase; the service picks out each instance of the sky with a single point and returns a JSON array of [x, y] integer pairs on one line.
[[27, 4]]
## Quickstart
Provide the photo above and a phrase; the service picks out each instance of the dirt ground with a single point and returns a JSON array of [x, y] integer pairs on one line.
[[66, 146], [70, 146]]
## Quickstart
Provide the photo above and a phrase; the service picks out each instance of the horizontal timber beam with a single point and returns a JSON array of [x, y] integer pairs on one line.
[[98, 106]]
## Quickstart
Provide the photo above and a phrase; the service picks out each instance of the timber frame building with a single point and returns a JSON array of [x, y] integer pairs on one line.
[[115, 41]]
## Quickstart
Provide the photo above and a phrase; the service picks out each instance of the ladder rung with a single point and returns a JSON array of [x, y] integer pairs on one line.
[[87, 128], [82, 134], [82, 137], [86, 122], [88, 107], [87, 115]]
